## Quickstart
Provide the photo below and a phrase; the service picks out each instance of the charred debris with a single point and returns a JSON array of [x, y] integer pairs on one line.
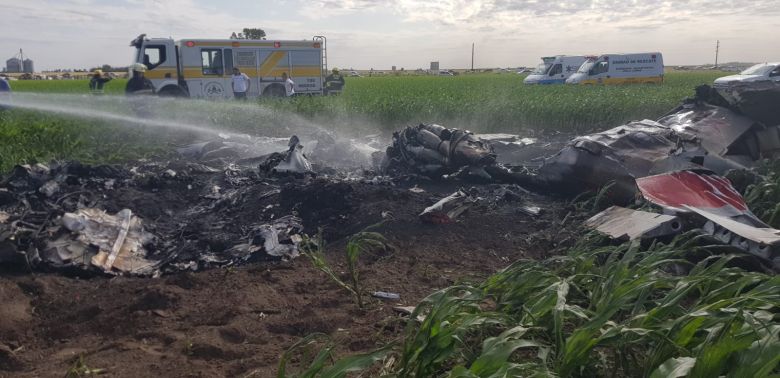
[[239, 198]]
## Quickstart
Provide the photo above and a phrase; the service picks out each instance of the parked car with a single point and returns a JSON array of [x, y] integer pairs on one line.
[[759, 72]]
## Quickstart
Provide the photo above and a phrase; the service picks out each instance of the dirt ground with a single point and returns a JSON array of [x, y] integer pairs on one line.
[[237, 321]]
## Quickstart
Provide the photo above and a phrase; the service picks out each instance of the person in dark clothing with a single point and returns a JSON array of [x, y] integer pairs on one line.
[[334, 83], [138, 84], [5, 93], [97, 82], [137, 88]]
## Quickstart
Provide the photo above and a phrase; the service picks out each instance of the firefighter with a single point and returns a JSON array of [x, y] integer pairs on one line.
[[334, 83], [137, 88], [97, 82], [138, 84]]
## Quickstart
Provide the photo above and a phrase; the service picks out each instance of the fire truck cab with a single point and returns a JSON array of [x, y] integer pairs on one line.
[[202, 68]]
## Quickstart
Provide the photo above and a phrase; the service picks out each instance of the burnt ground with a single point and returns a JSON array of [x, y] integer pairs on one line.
[[238, 320]]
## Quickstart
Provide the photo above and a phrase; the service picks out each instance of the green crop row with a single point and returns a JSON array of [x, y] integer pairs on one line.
[[485, 102], [492, 103], [29, 137], [674, 310]]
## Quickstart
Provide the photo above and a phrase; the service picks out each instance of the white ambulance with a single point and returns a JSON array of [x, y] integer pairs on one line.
[[645, 68], [555, 69], [202, 68]]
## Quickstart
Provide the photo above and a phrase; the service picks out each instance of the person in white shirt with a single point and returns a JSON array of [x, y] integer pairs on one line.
[[289, 85], [241, 84]]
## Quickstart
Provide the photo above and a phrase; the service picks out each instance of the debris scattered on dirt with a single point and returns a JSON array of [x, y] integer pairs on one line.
[[119, 239], [438, 152], [292, 162], [697, 135], [163, 222], [714, 199], [626, 224], [386, 295], [176, 215], [448, 208], [533, 211]]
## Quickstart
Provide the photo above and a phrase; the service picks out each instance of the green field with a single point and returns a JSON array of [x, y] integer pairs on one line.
[[483, 102]]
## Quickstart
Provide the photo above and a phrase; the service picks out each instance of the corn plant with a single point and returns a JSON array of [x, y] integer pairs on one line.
[[763, 198], [320, 364], [80, 369], [361, 242]]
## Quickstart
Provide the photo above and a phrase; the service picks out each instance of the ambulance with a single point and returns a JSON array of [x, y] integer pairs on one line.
[[555, 69], [645, 68], [202, 68]]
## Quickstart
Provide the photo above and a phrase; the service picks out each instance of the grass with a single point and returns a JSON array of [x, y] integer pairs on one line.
[[116, 86], [482, 102], [491, 102], [29, 137], [485, 102]]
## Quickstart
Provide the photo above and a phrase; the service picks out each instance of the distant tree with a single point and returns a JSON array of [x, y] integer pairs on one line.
[[107, 68], [254, 33]]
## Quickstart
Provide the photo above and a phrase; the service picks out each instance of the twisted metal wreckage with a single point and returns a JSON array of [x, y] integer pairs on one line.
[[677, 163]]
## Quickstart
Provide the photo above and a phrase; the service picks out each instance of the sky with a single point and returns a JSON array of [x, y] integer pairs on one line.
[[377, 34]]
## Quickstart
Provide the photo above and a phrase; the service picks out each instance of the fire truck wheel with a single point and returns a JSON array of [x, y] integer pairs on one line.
[[171, 91], [274, 90]]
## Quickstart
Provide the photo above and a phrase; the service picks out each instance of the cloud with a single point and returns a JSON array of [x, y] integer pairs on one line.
[[91, 32], [508, 14], [83, 33]]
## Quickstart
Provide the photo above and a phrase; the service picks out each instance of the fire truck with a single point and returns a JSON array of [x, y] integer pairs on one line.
[[202, 68]]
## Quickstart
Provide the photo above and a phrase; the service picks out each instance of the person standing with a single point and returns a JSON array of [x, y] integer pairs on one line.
[[97, 82], [289, 85], [138, 84], [241, 84], [334, 83], [138, 88]]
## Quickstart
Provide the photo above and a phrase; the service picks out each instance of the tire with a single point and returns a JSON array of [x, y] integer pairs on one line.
[[171, 91], [274, 90]]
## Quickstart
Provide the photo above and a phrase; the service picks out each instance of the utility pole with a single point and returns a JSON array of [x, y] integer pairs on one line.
[[472, 56], [717, 48]]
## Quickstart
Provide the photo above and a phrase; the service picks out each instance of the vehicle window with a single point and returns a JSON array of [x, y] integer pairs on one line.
[[758, 69], [541, 69], [154, 55], [587, 66], [228, 60], [775, 73], [212, 61], [600, 68], [556, 70], [307, 58]]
